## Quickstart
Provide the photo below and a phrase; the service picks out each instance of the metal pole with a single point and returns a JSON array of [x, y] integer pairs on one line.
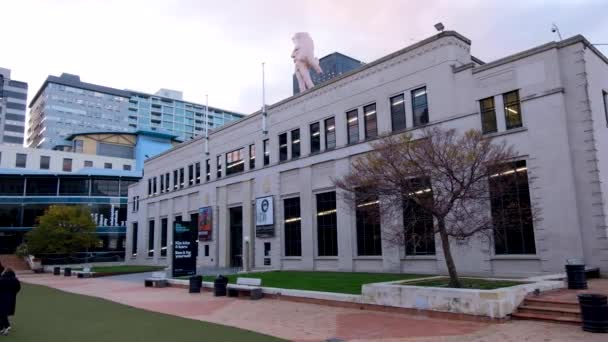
[[264, 114], [207, 124]]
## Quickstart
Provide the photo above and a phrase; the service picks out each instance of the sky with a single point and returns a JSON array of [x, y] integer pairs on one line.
[[216, 48]]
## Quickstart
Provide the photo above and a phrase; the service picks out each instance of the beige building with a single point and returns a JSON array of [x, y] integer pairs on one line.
[[549, 102]]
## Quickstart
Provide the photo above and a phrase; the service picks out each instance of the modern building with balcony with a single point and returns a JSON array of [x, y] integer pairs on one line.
[[549, 102], [13, 101]]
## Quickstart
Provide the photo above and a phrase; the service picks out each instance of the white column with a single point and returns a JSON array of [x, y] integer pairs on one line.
[[308, 214]]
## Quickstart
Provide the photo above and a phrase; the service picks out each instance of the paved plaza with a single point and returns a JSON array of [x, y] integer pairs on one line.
[[303, 321]]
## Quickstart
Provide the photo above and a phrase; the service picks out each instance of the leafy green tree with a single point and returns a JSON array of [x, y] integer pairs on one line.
[[63, 229]]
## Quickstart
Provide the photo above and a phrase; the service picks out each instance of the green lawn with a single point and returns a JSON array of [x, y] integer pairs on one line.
[[49, 315], [341, 282], [467, 283]]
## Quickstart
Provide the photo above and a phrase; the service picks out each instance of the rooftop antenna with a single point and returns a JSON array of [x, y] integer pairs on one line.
[[439, 27], [264, 114], [555, 29], [206, 124]]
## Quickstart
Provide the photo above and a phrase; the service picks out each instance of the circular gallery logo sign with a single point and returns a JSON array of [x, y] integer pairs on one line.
[[265, 205]]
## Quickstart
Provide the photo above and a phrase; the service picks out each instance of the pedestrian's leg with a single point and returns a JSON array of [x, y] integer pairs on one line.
[[3, 322]]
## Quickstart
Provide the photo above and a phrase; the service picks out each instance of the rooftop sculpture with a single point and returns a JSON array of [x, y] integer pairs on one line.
[[304, 58]]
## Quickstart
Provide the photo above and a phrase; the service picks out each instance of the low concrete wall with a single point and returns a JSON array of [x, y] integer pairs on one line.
[[497, 303]]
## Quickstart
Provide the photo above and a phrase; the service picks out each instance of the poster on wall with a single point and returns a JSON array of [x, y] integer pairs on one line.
[[264, 217], [205, 224], [184, 248]]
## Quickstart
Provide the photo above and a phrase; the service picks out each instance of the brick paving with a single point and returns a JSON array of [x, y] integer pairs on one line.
[[595, 286], [308, 322]]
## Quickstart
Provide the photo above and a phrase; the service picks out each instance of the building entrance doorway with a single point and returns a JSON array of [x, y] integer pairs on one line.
[[236, 236]]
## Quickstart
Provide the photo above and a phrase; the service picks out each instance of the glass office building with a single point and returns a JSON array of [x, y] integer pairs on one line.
[[333, 65]]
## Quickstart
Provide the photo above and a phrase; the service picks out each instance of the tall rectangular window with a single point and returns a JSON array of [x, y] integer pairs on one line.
[[371, 121], [78, 146], [235, 162], [369, 240], [330, 133], [182, 178], [45, 162], [163, 237], [295, 144], [208, 170], [418, 222], [327, 227], [398, 121], [512, 210], [21, 160], [488, 115], [167, 185], [352, 125], [149, 186], [154, 189], [134, 240], [266, 151], [293, 226], [162, 183], [283, 147], [605, 96], [151, 238], [175, 180], [67, 164], [315, 137], [197, 172], [251, 157], [512, 109], [190, 175], [219, 166], [420, 107]]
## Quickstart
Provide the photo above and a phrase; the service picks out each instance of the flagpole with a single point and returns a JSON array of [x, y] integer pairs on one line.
[[264, 114], [207, 124]]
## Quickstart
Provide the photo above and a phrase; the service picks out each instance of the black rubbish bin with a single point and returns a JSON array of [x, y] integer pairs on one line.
[[219, 286], [67, 272], [594, 310], [196, 282], [56, 270], [577, 280]]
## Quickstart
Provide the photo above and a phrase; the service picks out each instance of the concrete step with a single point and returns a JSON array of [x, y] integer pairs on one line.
[[547, 318], [551, 303], [550, 311]]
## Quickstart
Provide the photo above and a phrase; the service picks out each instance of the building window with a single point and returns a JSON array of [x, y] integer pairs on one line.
[[190, 175], [370, 120], [235, 162], [488, 115], [197, 172], [88, 163], [369, 240], [149, 186], [512, 210], [330, 133], [251, 157], [293, 226], [45, 162], [151, 238], [208, 170], [134, 240], [605, 96], [206, 251], [78, 146], [327, 228], [420, 107], [162, 183], [163, 237], [126, 167], [266, 152], [398, 121], [512, 109], [352, 125], [67, 164], [154, 189], [167, 185], [21, 159], [418, 224], [175, 180], [295, 144], [107, 165], [315, 137], [283, 147], [182, 178]]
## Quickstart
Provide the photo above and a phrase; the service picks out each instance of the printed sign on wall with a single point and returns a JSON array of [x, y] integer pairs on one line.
[[205, 224], [264, 217], [184, 248]]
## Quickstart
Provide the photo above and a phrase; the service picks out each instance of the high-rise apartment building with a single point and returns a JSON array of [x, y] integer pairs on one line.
[[65, 105], [333, 65], [13, 100]]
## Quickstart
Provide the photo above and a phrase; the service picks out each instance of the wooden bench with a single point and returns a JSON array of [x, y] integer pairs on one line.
[[85, 273], [158, 279], [247, 285]]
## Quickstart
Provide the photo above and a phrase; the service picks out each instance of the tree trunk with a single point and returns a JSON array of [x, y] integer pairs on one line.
[[447, 252]]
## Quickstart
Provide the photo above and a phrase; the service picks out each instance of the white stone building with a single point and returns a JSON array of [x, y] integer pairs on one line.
[[549, 102]]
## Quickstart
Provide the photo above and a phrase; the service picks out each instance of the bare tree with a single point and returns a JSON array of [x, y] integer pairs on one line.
[[442, 182]]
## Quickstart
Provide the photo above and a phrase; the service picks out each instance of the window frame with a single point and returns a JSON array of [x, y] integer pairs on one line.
[[394, 114], [251, 156], [266, 151], [416, 121], [66, 165], [315, 140], [296, 143], [328, 123], [370, 133], [47, 162], [283, 147], [508, 109], [326, 226], [239, 163], [21, 157], [484, 112], [354, 128], [292, 227]]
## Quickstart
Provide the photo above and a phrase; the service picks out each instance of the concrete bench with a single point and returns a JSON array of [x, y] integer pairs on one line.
[[158, 279], [85, 273], [247, 285]]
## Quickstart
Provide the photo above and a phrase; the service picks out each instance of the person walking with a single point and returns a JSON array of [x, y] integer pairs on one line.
[[1, 268], [9, 286]]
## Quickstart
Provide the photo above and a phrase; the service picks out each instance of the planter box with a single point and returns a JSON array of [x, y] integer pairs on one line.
[[498, 303]]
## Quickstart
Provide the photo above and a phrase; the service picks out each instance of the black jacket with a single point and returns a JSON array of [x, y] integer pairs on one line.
[[9, 286]]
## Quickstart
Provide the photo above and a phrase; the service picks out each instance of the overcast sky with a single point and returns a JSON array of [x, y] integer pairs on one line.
[[216, 47]]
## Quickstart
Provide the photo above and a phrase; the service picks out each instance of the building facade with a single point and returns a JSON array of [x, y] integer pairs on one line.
[[13, 100], [65, 105], [549, 102], [333, 65]]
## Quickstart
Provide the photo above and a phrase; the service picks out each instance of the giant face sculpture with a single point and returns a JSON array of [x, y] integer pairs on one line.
[[304, 58]]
